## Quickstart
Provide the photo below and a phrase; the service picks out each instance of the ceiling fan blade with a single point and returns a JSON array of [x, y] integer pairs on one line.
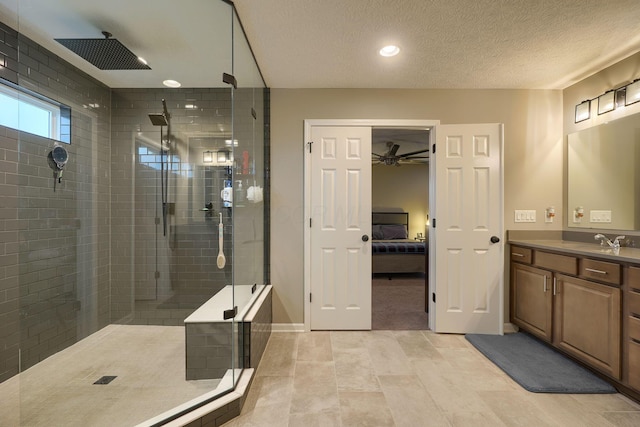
[[426, 150], [393, 150], [376, 154]]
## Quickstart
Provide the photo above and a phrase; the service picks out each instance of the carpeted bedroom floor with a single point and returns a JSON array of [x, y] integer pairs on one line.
[[398, 304]]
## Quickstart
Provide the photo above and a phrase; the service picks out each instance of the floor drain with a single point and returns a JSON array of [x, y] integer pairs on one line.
[[106, 379]]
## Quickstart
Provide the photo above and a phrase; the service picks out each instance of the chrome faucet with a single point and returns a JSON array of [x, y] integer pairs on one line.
[[603, 239]]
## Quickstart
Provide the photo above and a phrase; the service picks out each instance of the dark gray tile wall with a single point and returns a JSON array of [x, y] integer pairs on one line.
[[9, 251], [54, 252], [184, 258]]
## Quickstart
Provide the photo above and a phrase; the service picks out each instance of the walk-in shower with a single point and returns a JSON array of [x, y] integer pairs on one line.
[[99, 276]]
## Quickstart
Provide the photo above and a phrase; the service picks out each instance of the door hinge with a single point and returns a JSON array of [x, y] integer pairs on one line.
[[310, 143], [309, 222], [434, 223], [433, 296], [310, 297], [230, 314], [157, 274], [433, 149]]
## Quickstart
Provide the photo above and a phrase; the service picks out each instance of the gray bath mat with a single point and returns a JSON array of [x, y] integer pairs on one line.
[[537, 367]]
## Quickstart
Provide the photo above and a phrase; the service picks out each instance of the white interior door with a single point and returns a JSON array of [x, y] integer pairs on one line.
[[340, 217], [467, 263]]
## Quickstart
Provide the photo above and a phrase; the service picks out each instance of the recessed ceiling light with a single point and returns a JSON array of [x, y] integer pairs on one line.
[[171, 83], [390, 50]]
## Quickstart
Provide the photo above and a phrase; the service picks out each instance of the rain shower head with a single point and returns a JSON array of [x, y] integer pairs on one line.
[[106, 53], [158, 119]]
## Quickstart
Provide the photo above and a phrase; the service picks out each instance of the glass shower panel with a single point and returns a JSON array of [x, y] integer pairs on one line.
[[248, 184]]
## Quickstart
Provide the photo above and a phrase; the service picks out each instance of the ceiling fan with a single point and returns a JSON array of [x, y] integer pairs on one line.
[[391, 157]]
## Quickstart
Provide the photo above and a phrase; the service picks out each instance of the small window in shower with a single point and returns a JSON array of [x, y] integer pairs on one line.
[[27, 111]]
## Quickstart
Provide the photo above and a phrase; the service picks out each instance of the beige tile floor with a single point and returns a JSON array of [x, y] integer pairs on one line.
[[149, 362], [405, 378]]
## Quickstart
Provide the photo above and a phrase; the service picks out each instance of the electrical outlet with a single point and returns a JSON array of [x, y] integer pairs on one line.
[[525, 215]]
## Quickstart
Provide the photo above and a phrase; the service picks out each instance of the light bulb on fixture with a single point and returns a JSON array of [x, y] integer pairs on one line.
[[606, 102], [633, 93], [583, 111]]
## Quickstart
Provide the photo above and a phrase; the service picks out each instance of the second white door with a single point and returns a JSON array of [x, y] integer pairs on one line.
[[466, 268]]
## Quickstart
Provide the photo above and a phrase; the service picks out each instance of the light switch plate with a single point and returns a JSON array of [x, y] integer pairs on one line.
[[525, 215]]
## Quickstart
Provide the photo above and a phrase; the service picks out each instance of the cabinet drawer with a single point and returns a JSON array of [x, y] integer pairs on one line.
[[634, 328], [634, 365], [519, 254], [602, 271], [560, 263], [634, 302], [634, 278]]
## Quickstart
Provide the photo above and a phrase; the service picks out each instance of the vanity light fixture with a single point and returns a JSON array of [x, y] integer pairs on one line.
[[222, 156], [390, 50], [583, 111], [633, 93], [207, 157], [610, 100], [606, 102]]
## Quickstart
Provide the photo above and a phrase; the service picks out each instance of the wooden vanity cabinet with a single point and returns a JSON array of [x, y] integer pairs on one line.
[[552, 299]]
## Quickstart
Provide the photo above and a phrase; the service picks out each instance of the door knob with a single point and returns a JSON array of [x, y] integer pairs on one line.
[[495, 239], [365, 238]]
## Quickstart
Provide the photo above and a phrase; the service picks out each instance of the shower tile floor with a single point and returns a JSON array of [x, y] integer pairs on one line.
[[149, 365]]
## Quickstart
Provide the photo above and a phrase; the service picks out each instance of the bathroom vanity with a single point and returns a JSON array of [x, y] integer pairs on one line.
[[584, 300]]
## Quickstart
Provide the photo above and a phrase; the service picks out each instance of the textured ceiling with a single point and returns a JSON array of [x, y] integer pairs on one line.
[[445, 43], [334, 43]]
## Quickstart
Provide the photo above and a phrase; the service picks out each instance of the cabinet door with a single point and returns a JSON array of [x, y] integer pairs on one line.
[[531, 300], [587, 322]]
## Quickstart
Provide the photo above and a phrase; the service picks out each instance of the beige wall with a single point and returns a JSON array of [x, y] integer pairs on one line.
[[405, 187], [533, 158]]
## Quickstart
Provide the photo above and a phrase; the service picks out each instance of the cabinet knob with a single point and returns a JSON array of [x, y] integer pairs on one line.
[[495, 239], [365, 238]]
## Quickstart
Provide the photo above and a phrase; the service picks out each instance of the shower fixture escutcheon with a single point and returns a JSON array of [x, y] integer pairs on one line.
[[57, 159]]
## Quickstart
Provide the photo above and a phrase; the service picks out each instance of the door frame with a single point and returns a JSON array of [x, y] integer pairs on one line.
[[308, 124]]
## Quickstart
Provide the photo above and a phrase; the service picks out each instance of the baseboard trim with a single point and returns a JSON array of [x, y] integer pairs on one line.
[[287, 327], [510, 328]]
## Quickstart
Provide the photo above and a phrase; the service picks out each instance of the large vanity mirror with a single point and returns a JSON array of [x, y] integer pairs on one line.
[[604, 176]]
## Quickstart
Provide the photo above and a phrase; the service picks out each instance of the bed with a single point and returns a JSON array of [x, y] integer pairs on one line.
[[392, 249]]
